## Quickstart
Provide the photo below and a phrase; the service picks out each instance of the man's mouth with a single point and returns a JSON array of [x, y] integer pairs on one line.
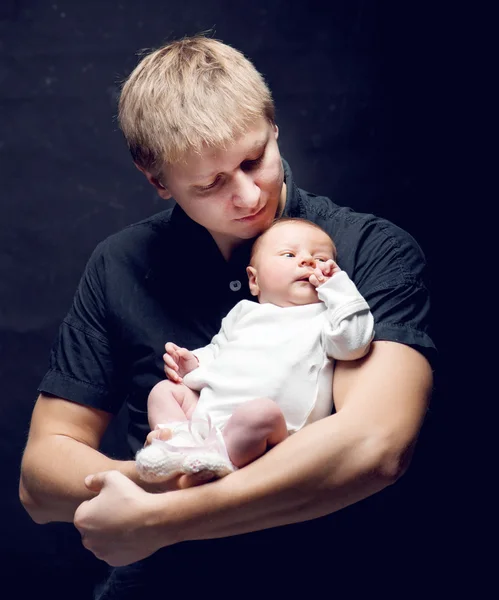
[[249, 217]]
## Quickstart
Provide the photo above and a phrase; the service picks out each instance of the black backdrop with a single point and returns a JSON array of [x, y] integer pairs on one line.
[[359, 87]]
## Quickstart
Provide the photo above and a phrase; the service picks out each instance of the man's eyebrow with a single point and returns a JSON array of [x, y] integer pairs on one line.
[[259, 144]]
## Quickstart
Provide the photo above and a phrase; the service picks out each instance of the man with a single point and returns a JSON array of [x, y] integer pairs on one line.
[[199, 122]]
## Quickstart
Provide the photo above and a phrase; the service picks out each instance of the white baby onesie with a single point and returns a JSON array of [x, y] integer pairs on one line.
[[264, 351]]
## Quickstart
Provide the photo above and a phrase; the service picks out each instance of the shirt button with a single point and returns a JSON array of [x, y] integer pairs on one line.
[[235, 286]]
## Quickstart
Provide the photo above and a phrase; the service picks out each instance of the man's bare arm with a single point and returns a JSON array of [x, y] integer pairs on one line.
[[381, 401], [61, 450]]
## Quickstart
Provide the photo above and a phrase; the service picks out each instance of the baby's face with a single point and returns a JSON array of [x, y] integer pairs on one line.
[[286, 257]]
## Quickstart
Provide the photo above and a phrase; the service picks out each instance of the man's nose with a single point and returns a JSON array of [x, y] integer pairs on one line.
[[246, 193]]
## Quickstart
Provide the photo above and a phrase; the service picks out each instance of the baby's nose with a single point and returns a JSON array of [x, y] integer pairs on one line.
[[308, 261]]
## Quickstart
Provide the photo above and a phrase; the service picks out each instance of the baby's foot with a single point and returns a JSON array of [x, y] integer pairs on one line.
[[200, 462], [194, 448], [156, 463]]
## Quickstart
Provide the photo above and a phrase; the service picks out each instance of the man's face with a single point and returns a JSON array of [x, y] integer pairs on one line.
[[284, 260], [234, 192]]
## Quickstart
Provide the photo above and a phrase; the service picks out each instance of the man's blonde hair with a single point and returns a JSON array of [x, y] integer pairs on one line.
[[189, 94]]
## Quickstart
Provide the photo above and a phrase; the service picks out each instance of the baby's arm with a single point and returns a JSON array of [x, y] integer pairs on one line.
[[349, 324], [180, 361]]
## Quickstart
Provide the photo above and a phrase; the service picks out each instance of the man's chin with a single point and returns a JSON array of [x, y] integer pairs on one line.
[[255, 228]]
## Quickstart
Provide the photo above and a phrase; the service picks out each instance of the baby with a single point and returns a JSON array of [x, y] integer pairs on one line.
[[268, 371]]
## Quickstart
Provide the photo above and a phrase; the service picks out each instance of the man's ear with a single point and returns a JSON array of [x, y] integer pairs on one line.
[[276, 131], [252, 280], [156, 183]]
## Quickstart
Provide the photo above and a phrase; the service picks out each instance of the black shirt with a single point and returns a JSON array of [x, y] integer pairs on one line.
[[164, 279]]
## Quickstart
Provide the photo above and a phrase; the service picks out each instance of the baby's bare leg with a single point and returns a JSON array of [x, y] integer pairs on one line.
[[170, 401], [252, 429]]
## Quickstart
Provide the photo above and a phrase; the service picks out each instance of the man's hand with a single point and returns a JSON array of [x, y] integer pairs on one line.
[[178, 362], [323, 271], [117, 524]]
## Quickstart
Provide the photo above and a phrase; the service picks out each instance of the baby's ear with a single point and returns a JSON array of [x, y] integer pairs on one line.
[[252, 280]]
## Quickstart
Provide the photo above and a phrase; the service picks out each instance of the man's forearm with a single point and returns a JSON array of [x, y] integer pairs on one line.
[[317, 471], [52, 477]]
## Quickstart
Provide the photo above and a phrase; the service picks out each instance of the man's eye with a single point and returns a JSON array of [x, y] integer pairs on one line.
[[211, 186], [252, 164]]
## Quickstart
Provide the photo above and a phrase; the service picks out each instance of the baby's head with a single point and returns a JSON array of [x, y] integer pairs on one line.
[[283, 258]]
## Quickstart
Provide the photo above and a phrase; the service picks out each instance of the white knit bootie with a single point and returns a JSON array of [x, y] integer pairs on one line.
[[195, 447]]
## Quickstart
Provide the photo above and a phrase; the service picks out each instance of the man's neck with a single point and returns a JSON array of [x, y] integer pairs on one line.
[[282, 202], [227, 245]]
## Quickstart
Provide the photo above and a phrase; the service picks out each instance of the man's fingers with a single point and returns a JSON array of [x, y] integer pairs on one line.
[[162, 434], [150, 437], [78, 518]]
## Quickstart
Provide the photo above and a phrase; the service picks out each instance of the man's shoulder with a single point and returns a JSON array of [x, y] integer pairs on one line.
[[344, 220], [337, 218], [136, 239], [347, 227]]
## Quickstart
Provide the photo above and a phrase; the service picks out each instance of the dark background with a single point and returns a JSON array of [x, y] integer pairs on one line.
[[367, 116]]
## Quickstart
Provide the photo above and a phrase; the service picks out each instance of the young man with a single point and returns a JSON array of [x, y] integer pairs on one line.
[[199, 122]]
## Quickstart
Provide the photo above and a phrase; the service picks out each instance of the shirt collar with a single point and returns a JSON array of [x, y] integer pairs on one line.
[[292, 206]]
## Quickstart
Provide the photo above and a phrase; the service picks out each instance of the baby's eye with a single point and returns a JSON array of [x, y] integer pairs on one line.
[[321, 259], [289, 254]]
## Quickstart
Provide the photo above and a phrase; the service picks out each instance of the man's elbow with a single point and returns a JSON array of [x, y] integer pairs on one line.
[[393, 462], [30, 505]]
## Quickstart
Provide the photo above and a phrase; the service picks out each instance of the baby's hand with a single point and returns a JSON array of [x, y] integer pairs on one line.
[[178, 362], [323, 271]]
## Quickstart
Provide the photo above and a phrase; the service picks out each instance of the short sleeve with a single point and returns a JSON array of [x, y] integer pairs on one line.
[[82, 365], [391, 275]]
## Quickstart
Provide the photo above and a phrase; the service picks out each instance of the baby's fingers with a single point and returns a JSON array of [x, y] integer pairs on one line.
[[172, 375], [318, 272], [172, 348], [314, 280], [327, 267], [335, 269], [170, 362]]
